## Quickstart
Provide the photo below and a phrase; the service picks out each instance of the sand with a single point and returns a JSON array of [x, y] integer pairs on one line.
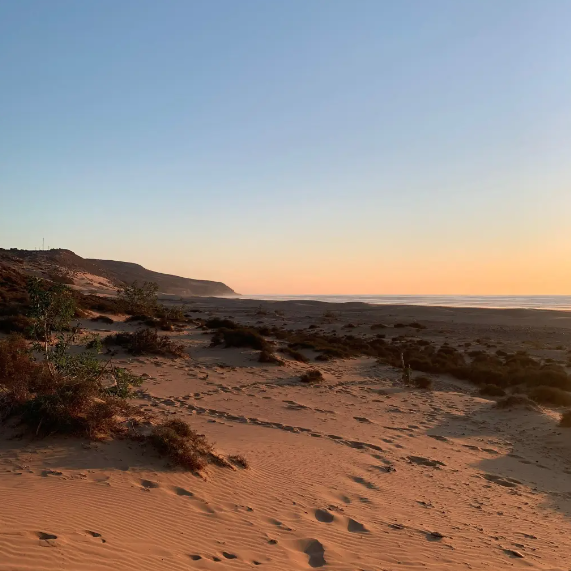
[[357, 473]]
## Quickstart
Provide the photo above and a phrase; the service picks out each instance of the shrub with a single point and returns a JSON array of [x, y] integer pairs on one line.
[[239, 460], [515, 401], [240, 337], [61, 278], [217, 323], [181, 445], [312, 376], [422, 382], [103, 319], [147, 342], [565, 419], [295, 355], [269, 357], [378, 326], [139, 299], [490, 390], [550, 396], [16, 324]]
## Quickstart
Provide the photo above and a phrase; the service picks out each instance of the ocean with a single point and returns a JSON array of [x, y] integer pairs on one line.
[[559, 302]]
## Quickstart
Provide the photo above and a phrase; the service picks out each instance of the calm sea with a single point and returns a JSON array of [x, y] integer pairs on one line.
[[561, 302]]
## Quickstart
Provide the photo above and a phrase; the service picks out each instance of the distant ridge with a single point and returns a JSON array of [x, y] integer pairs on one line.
[[57, 260], [128, 272]]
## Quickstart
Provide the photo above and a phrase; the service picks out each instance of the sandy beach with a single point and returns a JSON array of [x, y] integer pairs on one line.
[[359, 472]]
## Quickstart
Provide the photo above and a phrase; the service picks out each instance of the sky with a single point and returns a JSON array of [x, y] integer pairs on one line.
[[294, 147]]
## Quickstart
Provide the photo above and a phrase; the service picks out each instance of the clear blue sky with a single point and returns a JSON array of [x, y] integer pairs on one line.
[[295, 146]]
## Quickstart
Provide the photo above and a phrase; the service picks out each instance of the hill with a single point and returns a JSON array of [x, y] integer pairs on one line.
[[110, 272]]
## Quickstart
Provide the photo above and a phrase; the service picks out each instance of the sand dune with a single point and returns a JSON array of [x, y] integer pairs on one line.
[[356, 473]]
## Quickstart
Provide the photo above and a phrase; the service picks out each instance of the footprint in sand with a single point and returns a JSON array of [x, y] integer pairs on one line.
[[149, 484], [364, 482], [182, 492], [356, 527], [47, 539], [96, 535], [314, 551], [229, 555], [324, 516]]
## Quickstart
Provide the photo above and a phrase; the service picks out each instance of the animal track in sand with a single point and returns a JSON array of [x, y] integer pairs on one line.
[[314, 551], [182, 492], [96, 535], [47, 539]]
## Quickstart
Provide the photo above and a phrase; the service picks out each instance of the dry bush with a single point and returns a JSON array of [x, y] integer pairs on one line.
[[517, 401], [550, 396], [295, 355], [60, 397], [378, 326], [239, 460], [218, 323], [422, 382], [565, 419], [490, 390], [312, 376], [102, 319], [184, 447], [147, 342], [269, 357], [240, 337], [16, 324]]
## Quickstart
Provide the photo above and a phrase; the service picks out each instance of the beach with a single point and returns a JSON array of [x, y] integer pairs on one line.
[[358, 472]]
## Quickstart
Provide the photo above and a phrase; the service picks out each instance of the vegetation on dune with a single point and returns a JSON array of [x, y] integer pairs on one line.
[[147, 342], [240, 337], [269, 357], [312, 376], [565, 419], [51, 387]]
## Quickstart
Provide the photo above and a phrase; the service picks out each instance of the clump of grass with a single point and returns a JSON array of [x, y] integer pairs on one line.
[[490, 390], [240, 337], [269, 357], [147, 342], [16, 324], [422, 382], [103, 319], [218, 323], [376, 326], [294, 354], [184, 447], [565, 421], [312, 376], [550, 396], [517, 401], [239, 460]]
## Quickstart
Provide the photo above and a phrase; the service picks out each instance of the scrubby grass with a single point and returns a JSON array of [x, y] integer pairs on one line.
[[550, 396], [492, 391], [217, 323], [312, 376], [295, 355], [422, 382], [269, 357], [184, 447], [240, 337], [63, 395], [16, 324], [147, 342], [103, 319], [516, 401], [239, 460], [565, 421]]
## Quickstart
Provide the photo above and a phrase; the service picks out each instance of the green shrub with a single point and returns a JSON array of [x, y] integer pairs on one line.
[[139, 299]]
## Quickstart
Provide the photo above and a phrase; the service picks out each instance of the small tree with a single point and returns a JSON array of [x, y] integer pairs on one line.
[[140, 299]]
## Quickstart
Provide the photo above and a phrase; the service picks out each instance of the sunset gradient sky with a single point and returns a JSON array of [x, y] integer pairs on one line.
[[302, 146]]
